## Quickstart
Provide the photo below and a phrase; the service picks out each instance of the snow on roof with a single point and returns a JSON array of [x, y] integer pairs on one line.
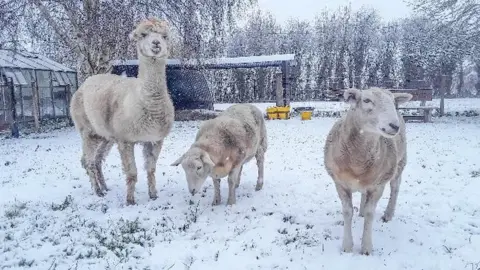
[[224, 62], [26, 60]]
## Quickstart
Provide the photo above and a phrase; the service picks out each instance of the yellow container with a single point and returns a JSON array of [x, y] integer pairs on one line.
[[283, 112], [306, 115], [272, 113]]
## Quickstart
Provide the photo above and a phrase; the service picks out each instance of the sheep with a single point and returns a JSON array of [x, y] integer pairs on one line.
[[363, 151], [109, 109], [222, 146]]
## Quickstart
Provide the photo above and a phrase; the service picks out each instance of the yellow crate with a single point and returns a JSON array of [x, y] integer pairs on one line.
[[278, 112], [306, 115]]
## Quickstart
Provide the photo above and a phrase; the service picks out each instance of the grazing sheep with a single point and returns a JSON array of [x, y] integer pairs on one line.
[[222, 146], [363, 152], [110, 109]]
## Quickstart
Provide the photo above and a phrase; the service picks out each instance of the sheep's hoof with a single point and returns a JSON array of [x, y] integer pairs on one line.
[[347, 247], [258, 187], [231, 202], [153, 196], [366, 251], [130, 201]]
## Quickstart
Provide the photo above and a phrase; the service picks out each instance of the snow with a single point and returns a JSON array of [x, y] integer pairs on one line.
[[222, 61], [451, 105], [50, 218]]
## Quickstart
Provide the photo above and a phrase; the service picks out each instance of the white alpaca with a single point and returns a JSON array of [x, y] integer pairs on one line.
[[110, 109], [363, 152], [222, 146]]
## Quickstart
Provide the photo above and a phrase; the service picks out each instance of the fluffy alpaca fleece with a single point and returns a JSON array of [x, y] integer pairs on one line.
[[110, 109], [221, 148], [364, 151]]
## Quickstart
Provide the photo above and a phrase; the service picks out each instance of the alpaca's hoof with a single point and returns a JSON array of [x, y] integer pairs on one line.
[[216, 202], [100, 193], [386, 218], [231, 201], [366, 250]]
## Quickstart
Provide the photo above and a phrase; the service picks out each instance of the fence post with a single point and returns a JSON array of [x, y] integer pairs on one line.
[[35, 106], [68, 97], [13, 103]]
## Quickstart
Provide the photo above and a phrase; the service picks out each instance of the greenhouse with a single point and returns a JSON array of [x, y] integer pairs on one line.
[[33, 88]]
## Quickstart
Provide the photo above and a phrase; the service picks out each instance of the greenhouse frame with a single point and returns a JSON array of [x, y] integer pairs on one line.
[[33, 88]]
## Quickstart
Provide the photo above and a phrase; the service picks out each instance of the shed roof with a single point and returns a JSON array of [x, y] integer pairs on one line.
[[27, 60], [222, 63]]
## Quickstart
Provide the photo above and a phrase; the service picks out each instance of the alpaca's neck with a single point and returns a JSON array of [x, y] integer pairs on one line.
[[154, 89], [355, 136]]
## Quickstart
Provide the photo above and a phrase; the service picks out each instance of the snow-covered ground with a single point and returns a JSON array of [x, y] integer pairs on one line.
[[451, 105], [50, 218]]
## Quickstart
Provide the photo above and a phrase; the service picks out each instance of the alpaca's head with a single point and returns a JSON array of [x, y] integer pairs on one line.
[[374, 109], [197, 165], [151, 36]]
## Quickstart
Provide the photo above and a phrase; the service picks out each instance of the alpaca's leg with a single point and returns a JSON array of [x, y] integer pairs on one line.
[[260, 157], [216, 197], [90, 143], [127, 155], [232, 181], [392, 202], [361, 212], [345, 196], [101, 153], [371, 201], [239, 177], [151, 151]]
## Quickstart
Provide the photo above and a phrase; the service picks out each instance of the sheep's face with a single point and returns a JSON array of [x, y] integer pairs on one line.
[[375, 109], [152, 38], [197, 166]]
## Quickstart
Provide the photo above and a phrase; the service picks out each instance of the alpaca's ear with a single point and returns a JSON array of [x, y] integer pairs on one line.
[[178, 161], [133, 35], [352, 96], [401, 98], [207, 160]]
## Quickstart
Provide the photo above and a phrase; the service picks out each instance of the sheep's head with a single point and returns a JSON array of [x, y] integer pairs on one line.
[[151, 36], [197, 165], [375, 111]]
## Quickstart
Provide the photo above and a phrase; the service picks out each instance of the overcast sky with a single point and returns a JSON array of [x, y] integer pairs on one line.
[[307, 9]]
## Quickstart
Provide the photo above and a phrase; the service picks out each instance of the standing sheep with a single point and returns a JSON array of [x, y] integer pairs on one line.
[[110, 109], [363, 152], [222, 146]]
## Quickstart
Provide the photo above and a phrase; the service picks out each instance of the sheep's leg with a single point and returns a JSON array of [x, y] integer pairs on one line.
[[239, 177], [392, 202], [345, 196], [90, 143], [362, 206], [232, 181], [216, 197], [151, 151], [102, 151], [127, 155], [260, 157], [371, 201]]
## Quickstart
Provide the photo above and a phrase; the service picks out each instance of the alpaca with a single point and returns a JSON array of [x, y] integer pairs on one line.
[[222, 146], [110, 109], [364, 151]]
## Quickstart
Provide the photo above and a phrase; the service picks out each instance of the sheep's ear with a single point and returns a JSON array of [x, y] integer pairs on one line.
[[207, 160], [178, 161], [352, 96], [402, 97]]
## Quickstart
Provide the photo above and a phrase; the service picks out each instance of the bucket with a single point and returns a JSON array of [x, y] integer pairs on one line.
[[306, 115]]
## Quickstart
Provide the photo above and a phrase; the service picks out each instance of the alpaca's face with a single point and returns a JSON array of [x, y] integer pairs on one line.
[[375, 110], [152, 38]]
